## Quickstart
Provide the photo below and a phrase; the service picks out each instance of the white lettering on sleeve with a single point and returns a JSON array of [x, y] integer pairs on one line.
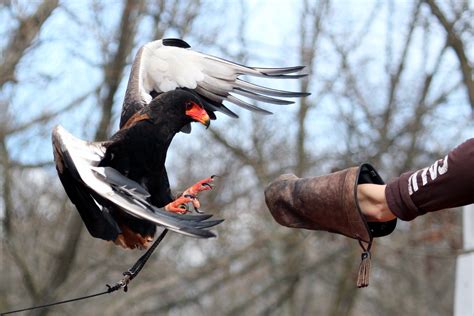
[[444, 167], [412, 183], [433, 170], [439, 168], [424, 179]]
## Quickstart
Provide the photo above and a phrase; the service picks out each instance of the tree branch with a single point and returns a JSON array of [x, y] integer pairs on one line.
[[114, 69], [458, 46], [22, 38]]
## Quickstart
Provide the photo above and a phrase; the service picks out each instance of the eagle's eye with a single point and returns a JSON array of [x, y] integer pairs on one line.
[[189, 105]]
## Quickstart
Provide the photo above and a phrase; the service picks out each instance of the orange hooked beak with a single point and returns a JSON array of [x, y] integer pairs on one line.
[[197, 113]]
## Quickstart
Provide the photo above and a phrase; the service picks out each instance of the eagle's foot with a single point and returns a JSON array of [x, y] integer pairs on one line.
[[192, 192], [190, 195]]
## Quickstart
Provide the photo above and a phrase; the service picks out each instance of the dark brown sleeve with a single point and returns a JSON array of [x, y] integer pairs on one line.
[[447, 183]]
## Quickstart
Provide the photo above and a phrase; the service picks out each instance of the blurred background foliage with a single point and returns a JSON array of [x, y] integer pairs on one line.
[[391, 83]]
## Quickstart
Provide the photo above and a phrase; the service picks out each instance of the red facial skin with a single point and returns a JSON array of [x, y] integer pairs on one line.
[[197, 113]]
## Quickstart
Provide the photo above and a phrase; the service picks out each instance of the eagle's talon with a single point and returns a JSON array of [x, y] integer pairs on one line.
[[203, 185], [197, 210], [179, 205]]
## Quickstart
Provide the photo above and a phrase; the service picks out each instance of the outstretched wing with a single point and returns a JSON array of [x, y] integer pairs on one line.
[[168, 64], [92, 189]]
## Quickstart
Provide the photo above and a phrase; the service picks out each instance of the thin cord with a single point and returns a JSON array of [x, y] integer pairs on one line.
[[110, 290], [138, 266], [129, 275]]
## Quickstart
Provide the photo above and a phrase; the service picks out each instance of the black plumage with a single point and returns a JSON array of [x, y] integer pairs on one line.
[[139, 151], [132, 162], [120, 186]]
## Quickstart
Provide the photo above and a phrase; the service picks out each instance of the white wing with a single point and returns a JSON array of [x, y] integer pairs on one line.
[[168, 64], [80, 159]]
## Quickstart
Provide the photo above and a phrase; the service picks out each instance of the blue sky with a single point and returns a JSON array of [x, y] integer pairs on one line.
[[68, 49]]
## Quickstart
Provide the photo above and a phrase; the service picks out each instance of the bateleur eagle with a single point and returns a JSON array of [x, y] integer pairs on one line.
[[120, 186]]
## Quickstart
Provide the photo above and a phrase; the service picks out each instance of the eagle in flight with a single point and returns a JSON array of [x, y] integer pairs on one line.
[[120, 186]]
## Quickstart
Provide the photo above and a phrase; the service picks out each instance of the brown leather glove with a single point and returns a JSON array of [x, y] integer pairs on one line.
[[327, 203]]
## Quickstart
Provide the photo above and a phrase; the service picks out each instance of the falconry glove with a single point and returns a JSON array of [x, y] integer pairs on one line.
[[329, 203]]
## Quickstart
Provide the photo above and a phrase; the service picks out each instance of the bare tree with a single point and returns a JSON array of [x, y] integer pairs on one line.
[[379, 93], [457, 44], [21, 39], [45, 287]]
